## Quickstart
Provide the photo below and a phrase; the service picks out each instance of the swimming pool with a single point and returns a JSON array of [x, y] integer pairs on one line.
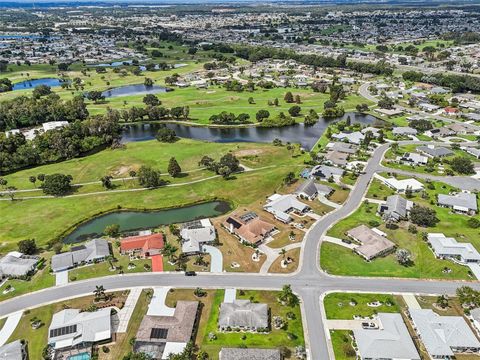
[[82, 356]]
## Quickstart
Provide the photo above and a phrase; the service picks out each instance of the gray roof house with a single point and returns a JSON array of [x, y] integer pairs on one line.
[[355, 137], [70, 327], [282, 205], [325, 172], [472, 151], [372, 243], [396, 208], [443, 336], [404, 130], [16, 350], [342, 147], [243, 314], [249, 354], [390, 341], [413, 158], [434, 151], [310, 189], [444, 247], [94, 250], [196, 233], [16, 264], [462, 202]]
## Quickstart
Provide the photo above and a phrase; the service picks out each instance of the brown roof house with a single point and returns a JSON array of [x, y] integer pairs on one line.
[[372, 243], [159, 336], [243, 315], [249, 228]]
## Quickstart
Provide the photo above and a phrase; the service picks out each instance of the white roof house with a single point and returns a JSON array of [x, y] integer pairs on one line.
[[196, 233], [414, 158], [95, 249], [462, 202], [404, 130], [16, 264], [71, 327], [449, 248], [15, 350], [281, 205], [390, 341], [443, 336], [51, 125], [353, 137], [403, 185]]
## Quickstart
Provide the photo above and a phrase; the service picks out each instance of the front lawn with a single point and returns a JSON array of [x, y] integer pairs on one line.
[[342, 345]]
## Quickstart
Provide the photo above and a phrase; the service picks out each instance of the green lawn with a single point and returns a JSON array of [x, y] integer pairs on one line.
[[46, 219], [273, 339], [379, 190], [337, 305], [342, 345]]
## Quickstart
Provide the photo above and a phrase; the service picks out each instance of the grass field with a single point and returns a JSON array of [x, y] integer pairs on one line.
[[342, 345], [46, 219]]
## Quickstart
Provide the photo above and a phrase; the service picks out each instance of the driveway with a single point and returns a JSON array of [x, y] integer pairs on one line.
[[216, 258], [346, 324], [157, 305], [9, 327], [61, 278]]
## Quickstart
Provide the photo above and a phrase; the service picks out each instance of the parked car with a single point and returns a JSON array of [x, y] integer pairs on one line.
[[190, 273]]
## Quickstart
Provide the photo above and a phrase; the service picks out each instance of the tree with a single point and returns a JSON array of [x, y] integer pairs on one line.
[[289, 178], [251, 101], [288, 97], [462, 165], [149, 178], [423, 216], [311, 118], [261, 115], [166, 135], [27, 247], [294, 110], [174, 168], [403, 257], [225, 171], [57, 184], [41, 90], [275, 102], [63, 66], [386, 103], [473, 223], [298, 100], [3, 182], [148, 82], [32, 179], [41, 177], [229, 160], [112, 230], [283, 252], [95, 96], [106, 181], [99, 292], [287, 296], [151, 100]]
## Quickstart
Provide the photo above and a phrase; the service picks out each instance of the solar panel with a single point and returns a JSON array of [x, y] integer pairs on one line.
[[158, 333], [63, 331]]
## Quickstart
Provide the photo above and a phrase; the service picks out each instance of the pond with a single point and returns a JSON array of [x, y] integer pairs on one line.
[[30, 84], [138, 89], [306, 136], [137, 220]]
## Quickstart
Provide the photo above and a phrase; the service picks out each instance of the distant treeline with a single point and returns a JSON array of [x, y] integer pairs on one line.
[[458, 83]]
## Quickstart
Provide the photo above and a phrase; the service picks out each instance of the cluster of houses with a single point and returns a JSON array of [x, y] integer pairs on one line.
[[32, 133]]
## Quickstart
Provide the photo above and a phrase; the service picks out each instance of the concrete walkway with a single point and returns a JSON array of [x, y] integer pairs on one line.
[[9, 327], [273, 254], [475, 269], [346, 324], [325, 201], [126, 312], [61, 278], [411, 301], [338, 241], [230, 295], [157, 305], [216, 258]]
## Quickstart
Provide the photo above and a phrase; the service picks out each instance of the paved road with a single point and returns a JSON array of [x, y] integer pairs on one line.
[[309, 282]]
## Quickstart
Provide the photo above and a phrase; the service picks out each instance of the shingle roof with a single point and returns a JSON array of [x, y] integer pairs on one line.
[[442, 246], [397, 206], [372, 244], [463, 200], [440, 334], [15, 265], [310, 188], [194, 234], [13, 351], [435, 151], [390, 341], [94, 249]]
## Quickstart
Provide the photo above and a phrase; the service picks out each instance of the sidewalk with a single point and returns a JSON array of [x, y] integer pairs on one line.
[[9, 327]]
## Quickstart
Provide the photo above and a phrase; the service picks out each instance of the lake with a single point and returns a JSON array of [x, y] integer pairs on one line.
[[138, 89], [137, 220], [29, 84], [306, 136]]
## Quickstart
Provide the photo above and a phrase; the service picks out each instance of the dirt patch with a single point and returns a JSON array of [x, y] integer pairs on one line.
[[250, 152], [123, 170]]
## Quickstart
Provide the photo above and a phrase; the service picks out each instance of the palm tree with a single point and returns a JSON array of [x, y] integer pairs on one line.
[[283, 252], [199, 259], [99, 292], [169, 251]]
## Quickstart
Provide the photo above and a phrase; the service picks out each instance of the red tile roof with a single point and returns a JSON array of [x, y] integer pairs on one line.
[[144, 242]]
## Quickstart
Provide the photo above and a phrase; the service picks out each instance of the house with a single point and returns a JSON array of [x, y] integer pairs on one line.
[[451, 111], [16, 350], [434, 151], [449, 248], [249, 228], [51, 125], [475, 316], [472, 116], [461, 129], [391, 340], [372, 244], [243, 315], [462, 202], [16, 264], [413, 158], [336, 158], [249, 354], [396, 208], [160, 336], [72, 328], [355, 137], [389, 112], [472, 151], [428, 107], [144, 245], [92, 251], [310, 189], [402, 186], [404, 131], [440, 132], [326, 172], [342, 147], [439, 90], [443, 336], [196, 233], [282, 205], [375, 131]]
